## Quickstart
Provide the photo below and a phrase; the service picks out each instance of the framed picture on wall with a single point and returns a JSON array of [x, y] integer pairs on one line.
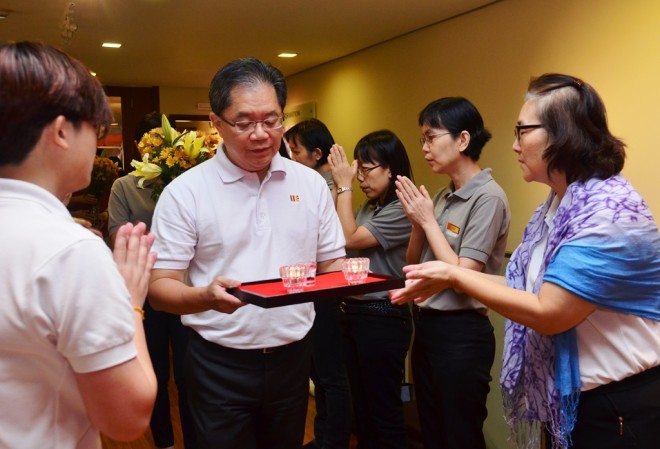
[[298, 113]]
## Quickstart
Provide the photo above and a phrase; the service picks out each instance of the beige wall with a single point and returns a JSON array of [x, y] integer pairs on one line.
[[177, 100], [488, 56]]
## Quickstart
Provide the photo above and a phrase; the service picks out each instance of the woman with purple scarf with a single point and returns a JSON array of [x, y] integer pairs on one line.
[[582, 291]]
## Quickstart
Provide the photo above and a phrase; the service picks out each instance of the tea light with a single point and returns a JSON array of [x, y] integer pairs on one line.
[[294, 277], [355, 270]]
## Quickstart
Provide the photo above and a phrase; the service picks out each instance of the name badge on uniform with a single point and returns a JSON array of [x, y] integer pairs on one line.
[[453, 228]]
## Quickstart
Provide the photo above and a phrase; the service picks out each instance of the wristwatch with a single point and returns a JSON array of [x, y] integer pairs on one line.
[[344, 189]]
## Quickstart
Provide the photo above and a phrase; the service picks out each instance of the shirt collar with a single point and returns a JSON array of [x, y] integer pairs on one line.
[[474, 184], [230, 172]]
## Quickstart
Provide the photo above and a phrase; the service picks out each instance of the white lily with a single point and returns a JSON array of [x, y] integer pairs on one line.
[[145, 170]]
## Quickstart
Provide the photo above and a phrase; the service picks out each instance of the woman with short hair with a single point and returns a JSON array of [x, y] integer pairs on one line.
[[466, 224]]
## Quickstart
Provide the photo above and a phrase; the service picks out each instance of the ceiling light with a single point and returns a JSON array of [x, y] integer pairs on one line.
[[4, 13], [287, 55], [93, 73], [110, 45]]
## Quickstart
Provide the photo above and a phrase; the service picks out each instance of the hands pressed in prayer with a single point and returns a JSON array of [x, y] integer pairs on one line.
[[417, 203]]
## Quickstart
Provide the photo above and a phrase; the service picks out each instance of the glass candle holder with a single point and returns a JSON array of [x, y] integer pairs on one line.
[[355, 270], [294, 277], [311, 274]]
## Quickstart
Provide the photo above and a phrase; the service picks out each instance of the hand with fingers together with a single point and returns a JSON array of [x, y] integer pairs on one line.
[[417, 203], [134, 258], [343, 173], [422, 281]]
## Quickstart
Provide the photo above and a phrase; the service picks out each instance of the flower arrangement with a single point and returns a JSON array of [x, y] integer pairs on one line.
[[166, 153], [104, 173]]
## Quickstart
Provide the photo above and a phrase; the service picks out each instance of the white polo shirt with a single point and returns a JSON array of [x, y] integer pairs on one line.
[[65, 309], [218, 219]]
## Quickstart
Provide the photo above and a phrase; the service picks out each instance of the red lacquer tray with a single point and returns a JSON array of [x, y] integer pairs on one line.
[[271, 292]]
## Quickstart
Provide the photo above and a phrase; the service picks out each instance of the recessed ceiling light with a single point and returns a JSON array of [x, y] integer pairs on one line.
[[110, 45], [287, 55]]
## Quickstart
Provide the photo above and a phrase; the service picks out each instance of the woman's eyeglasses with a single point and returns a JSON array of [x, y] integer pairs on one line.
[[428, 140], [517, 131], [361, 171]]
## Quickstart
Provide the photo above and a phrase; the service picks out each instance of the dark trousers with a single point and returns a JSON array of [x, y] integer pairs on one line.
[[248, 399], [375, 348], [332, 424], [451, 360], [620, 415], [164, 333]]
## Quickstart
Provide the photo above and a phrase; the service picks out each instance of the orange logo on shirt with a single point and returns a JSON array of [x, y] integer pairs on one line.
[[294, 198], [453, 228]]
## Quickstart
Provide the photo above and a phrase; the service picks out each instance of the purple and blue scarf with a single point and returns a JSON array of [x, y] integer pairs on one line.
[[604, 247]]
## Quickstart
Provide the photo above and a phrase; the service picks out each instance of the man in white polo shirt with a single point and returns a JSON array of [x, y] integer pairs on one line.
[[237, 218]]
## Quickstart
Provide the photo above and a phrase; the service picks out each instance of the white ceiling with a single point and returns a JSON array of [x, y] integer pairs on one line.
[[180, 43]]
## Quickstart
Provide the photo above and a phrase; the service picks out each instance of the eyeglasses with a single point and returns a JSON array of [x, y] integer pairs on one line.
[[269, 124], [361, 171], [428, 140], [518, 128]]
